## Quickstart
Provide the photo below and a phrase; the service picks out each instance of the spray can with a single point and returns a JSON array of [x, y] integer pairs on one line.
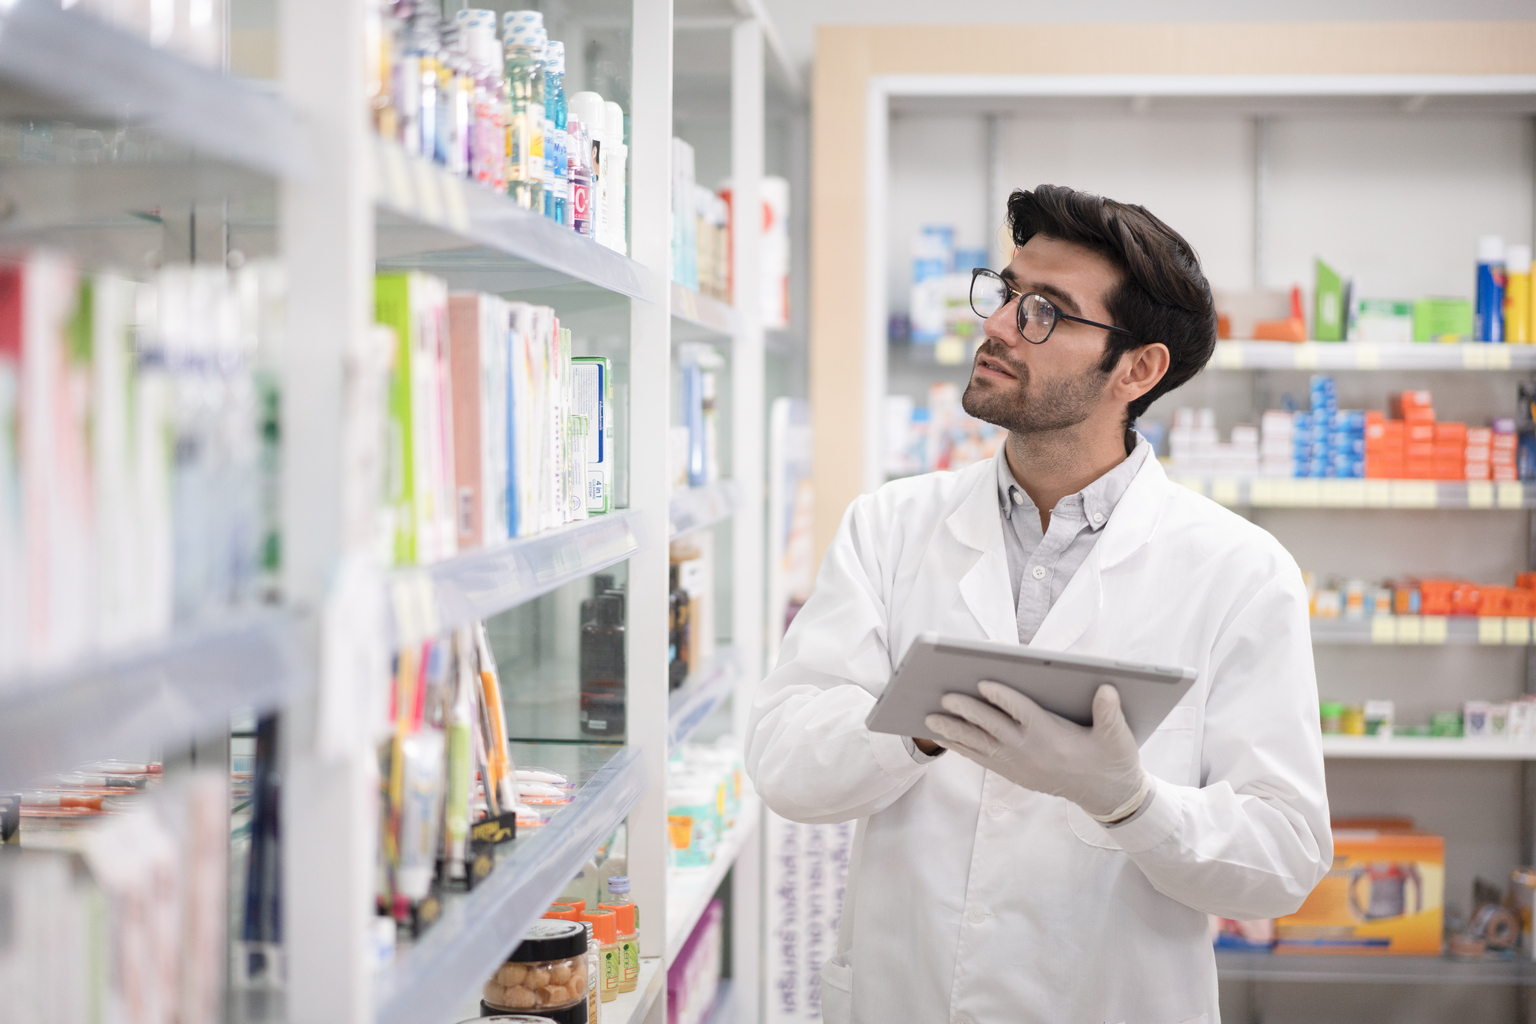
[[1517, 295], [1488, 314]]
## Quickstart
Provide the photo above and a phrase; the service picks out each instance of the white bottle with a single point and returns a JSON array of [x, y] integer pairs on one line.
[[613, 177], [588, 108]]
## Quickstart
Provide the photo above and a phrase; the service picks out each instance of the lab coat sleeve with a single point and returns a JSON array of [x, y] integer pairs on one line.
[[807, 751], [1253, 839]]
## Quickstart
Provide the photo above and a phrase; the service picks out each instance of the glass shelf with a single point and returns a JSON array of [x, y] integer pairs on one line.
[[691, 705], [65, 65], [1429, 748], [694, 508], [708, 318], [1323, 355], [1411, 970], [1425, 630], [479, 928], [689, 890], [1286, 492], [171, 691], [431, 215]]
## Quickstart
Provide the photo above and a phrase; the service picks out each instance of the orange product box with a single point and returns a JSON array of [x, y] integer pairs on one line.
[[1384, 894], [1449, 430], [1403, 401], [1493, 600], [1452, 452], [1477, 452], [1505, 473], [1419, 416], [1419, 450], [1374, 416], [1418, 469], [1402, 597], [1499, 458], [1384, 469], [1450, 471], [1479, 435], [1520, 603], [1479, 471], [1435, 597], [1526, 581], [1466, 598], [1413, 432]]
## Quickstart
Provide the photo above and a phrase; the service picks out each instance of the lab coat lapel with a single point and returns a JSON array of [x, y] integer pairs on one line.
[[1130, 526], [985, 587]]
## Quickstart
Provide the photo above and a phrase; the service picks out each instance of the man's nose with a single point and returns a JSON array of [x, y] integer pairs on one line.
[[1003, 325]]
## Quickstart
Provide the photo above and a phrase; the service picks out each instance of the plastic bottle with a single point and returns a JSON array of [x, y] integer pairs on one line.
[[557, 205], [587, 107], [627, 921], [1488, 313], [605, 927], [1517, 295], [579, 167], [523, 32], [487, 151], [425, 45], [615, 154]]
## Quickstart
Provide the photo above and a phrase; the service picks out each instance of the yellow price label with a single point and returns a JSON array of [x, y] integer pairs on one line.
[[1378, 493], [1517, 631], [1224, 492], [1474, 356], [1497, 357], [1306, 494], [1511, 494], [1479, 494], [1367, 357], [1434, 629], [1383, 629], [1306, 356], [1229, 355], [1409, 629], [1490, 630]]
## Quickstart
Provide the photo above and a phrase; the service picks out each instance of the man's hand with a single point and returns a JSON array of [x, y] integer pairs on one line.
[[1097, 768]]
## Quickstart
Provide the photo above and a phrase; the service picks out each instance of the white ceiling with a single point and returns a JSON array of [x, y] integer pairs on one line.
[[796, 20]]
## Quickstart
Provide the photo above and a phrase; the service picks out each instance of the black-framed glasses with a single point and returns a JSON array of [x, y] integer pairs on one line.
[[1037, 315]]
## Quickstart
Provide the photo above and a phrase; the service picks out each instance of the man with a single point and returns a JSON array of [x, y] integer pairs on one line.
[[1038, 871]]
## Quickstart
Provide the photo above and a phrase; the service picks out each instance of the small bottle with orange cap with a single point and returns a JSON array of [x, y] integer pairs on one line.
[[604, 926], [627, 921]]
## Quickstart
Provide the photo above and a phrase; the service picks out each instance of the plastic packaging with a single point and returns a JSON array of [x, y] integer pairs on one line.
[[547, 973]]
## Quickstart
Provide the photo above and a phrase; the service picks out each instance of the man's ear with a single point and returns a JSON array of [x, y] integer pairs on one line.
[[1140, 370]]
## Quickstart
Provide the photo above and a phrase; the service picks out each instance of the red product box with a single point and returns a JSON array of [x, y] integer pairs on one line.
[[1419, 432], [1435, 597]]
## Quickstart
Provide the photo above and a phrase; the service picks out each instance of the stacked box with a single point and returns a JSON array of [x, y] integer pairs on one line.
[[1503, 442], [1346, 444], [1277, 443]]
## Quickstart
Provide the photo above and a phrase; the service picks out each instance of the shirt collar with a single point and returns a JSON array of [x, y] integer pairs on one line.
[[1098, 499]]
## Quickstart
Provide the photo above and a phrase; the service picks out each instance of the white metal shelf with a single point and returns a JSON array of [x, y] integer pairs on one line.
[[486, 581], [477, 239], [1333, 355], [1287, 492], [1431, 630], [689, 890], [704, 314], [631, 1007], [694, 508], [477, 930], [171, 691], [1408, 970], [690, 705], [1428, 748], [65, 65]]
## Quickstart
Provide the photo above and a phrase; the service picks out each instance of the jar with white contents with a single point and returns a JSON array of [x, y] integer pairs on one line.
[[545, 977]]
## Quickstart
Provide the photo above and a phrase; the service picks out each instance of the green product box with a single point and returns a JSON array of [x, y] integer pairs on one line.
[[1328, 304], [1445, 723], [1444, 320]]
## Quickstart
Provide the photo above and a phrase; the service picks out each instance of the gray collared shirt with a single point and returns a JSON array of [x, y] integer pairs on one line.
[[1040, 565]]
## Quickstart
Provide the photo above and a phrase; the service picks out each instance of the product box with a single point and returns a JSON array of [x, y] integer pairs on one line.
[[1446, 320], [592, 389], [1384, 894]]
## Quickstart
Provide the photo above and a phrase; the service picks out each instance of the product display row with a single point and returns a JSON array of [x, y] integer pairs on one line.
[[138, 452], [495, 111], [1386, 894], [114, 894], [1356, 599], [495, 430], [1329, 442], [940, 435], [1476, 719]]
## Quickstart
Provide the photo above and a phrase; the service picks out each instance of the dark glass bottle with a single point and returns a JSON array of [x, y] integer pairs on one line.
[[602, 667], [679, 630]]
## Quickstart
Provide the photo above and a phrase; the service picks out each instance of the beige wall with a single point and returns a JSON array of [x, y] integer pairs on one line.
[[846, 56]]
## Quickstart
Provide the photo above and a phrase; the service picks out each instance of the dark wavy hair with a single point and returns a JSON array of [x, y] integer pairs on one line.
[[1162, 296]]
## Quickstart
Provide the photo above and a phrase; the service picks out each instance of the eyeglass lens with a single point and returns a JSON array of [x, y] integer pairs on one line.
[[1037, 316]]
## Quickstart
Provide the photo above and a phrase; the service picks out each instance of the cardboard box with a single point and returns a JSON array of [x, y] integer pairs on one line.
[[1385, 894]]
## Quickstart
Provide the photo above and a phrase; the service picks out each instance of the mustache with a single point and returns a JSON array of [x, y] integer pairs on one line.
[[996, 350]]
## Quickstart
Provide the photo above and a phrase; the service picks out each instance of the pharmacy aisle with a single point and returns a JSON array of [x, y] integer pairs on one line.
[[381, 553]]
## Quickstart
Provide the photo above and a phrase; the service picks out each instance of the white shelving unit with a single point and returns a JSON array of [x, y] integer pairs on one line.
[[349, 204], [1428, 748], [1424, 630], [1332, 357]]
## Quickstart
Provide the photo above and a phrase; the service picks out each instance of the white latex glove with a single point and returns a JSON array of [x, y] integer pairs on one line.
[[1097, 768]]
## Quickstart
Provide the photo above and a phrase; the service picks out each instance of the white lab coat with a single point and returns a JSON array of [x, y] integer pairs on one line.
[[973, 901]]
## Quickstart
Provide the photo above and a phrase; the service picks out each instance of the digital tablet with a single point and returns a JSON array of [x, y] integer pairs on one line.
[[1061, 683]]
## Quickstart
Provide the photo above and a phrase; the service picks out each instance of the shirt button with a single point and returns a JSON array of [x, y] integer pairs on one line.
[[1018, 499], [1098, 517], [1038, 572], [977, 915], [994, 810]]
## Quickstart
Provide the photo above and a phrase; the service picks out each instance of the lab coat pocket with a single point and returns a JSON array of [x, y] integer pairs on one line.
[[837, 991], [1169, 752]]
